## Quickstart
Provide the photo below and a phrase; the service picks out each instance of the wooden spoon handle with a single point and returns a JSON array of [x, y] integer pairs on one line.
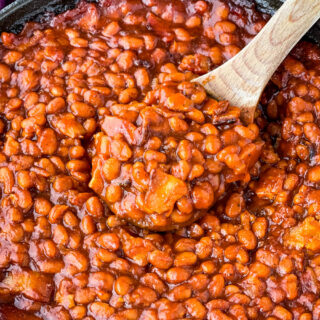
[[245, 76], [269, 48]]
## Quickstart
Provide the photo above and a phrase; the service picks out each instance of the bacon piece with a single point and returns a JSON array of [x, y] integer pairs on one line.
[[164, 191]]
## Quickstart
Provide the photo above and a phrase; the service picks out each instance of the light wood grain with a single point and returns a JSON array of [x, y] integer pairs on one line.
[[242, 79]]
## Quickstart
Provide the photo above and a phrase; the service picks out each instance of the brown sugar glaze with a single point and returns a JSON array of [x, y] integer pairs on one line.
[[96, 107]]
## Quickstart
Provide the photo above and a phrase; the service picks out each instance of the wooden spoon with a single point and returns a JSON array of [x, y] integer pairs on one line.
[[242, 79]]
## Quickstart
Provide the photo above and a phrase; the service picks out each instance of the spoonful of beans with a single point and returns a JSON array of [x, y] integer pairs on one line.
[[242, 79]]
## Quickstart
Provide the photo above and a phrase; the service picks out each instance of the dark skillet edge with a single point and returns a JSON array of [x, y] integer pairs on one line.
[[269, 6], [17, 14]]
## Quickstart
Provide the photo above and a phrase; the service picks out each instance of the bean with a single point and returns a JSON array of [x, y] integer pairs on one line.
[[5, 73]]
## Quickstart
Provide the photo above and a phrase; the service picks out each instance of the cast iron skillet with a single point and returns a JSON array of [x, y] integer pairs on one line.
[[13, 19], [14, 16]]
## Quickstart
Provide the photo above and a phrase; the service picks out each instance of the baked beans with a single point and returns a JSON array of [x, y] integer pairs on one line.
[[105, 142]]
